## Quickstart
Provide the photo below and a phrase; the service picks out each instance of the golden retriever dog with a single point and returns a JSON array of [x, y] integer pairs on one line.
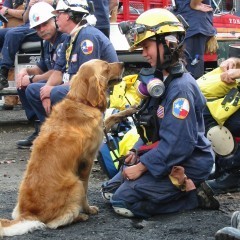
[[53, 191]]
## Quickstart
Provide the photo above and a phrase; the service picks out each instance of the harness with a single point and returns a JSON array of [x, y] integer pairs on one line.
[[146, 119]]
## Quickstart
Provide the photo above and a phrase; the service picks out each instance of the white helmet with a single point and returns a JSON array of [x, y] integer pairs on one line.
[[39, 13], [72, 5]]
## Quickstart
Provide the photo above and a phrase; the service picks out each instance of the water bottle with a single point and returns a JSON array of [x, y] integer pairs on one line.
[[195, 60]]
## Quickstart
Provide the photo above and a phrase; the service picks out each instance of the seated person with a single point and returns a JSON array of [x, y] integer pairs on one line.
[[227, 175], [84, 43], [47, 30], [9, 9], [11, 40]]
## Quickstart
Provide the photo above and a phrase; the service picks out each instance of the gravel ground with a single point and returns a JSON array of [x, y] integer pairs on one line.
[[197, 224]]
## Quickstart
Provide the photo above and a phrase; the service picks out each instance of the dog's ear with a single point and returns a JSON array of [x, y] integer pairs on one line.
[[93, 91]]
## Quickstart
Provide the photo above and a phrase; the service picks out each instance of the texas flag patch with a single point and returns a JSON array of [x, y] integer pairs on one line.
[[180, 108], [87, 47]]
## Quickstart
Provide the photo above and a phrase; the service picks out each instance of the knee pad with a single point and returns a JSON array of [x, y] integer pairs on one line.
[[222, 140]]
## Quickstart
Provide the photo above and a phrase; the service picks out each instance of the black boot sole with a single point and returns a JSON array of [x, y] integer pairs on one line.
[[23, 147]]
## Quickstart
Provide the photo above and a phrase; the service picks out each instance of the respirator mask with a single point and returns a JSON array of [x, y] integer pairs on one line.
[[150, 84]]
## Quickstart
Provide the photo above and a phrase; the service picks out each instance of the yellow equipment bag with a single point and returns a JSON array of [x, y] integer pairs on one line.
[[221, 109], [222, 98], [128, 141], [124, 93], [211, 85]]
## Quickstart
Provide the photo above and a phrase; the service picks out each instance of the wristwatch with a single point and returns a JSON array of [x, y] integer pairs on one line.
[[31, 78]]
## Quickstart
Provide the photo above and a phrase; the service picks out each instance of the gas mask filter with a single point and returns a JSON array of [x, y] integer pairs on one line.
[[149, 85]]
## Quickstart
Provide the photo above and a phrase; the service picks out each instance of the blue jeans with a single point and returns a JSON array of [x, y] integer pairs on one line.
[[25, 103], [11, 40]]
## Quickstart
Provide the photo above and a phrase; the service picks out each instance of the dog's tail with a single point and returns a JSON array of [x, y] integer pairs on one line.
[[19, 227]]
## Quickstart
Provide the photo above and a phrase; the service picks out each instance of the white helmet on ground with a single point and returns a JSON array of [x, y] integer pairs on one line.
[[72, 5], [39, 13]]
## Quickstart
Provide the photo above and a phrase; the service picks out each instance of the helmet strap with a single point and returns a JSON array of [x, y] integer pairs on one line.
[[158, 41], [167, 53]]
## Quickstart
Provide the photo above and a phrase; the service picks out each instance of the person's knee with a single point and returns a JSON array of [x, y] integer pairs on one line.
[[13, 33], [58, 94], [32, 91]]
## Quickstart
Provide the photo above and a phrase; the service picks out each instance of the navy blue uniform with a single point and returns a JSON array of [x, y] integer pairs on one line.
[[51, 52], [8, 3], [182, 143], [199, 31], [47, 61], [90, 43]]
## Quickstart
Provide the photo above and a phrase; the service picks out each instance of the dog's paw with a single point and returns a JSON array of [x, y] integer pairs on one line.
[[81, 217], [93, 210]]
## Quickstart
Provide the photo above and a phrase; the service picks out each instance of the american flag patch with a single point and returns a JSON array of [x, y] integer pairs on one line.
[[160, 111]]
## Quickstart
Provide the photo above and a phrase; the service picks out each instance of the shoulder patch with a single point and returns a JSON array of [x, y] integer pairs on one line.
[[87, 47], [59, 48], [180, 108]]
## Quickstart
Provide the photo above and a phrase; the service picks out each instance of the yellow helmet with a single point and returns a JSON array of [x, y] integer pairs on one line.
[[151, 23]]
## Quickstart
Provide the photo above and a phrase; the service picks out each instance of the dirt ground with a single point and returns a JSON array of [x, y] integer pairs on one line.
[[197, 224]]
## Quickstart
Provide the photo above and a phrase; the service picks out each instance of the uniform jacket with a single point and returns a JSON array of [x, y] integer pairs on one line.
[[90, 43], [51, 52], [182, 141]]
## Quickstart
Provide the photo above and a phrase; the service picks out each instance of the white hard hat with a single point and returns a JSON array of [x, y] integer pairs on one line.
[[221, 139], [72, 5], [39, 13]]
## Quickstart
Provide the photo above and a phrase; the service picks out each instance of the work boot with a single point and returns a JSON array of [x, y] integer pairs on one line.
[[27, 143], [228, 182], [228, 233], [206, 199], [3, 78]]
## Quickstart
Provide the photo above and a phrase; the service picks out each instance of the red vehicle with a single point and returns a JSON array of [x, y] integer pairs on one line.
[[225, 21]]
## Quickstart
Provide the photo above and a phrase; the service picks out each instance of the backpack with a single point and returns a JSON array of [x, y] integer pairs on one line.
[[115, 146], [117, 143]]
